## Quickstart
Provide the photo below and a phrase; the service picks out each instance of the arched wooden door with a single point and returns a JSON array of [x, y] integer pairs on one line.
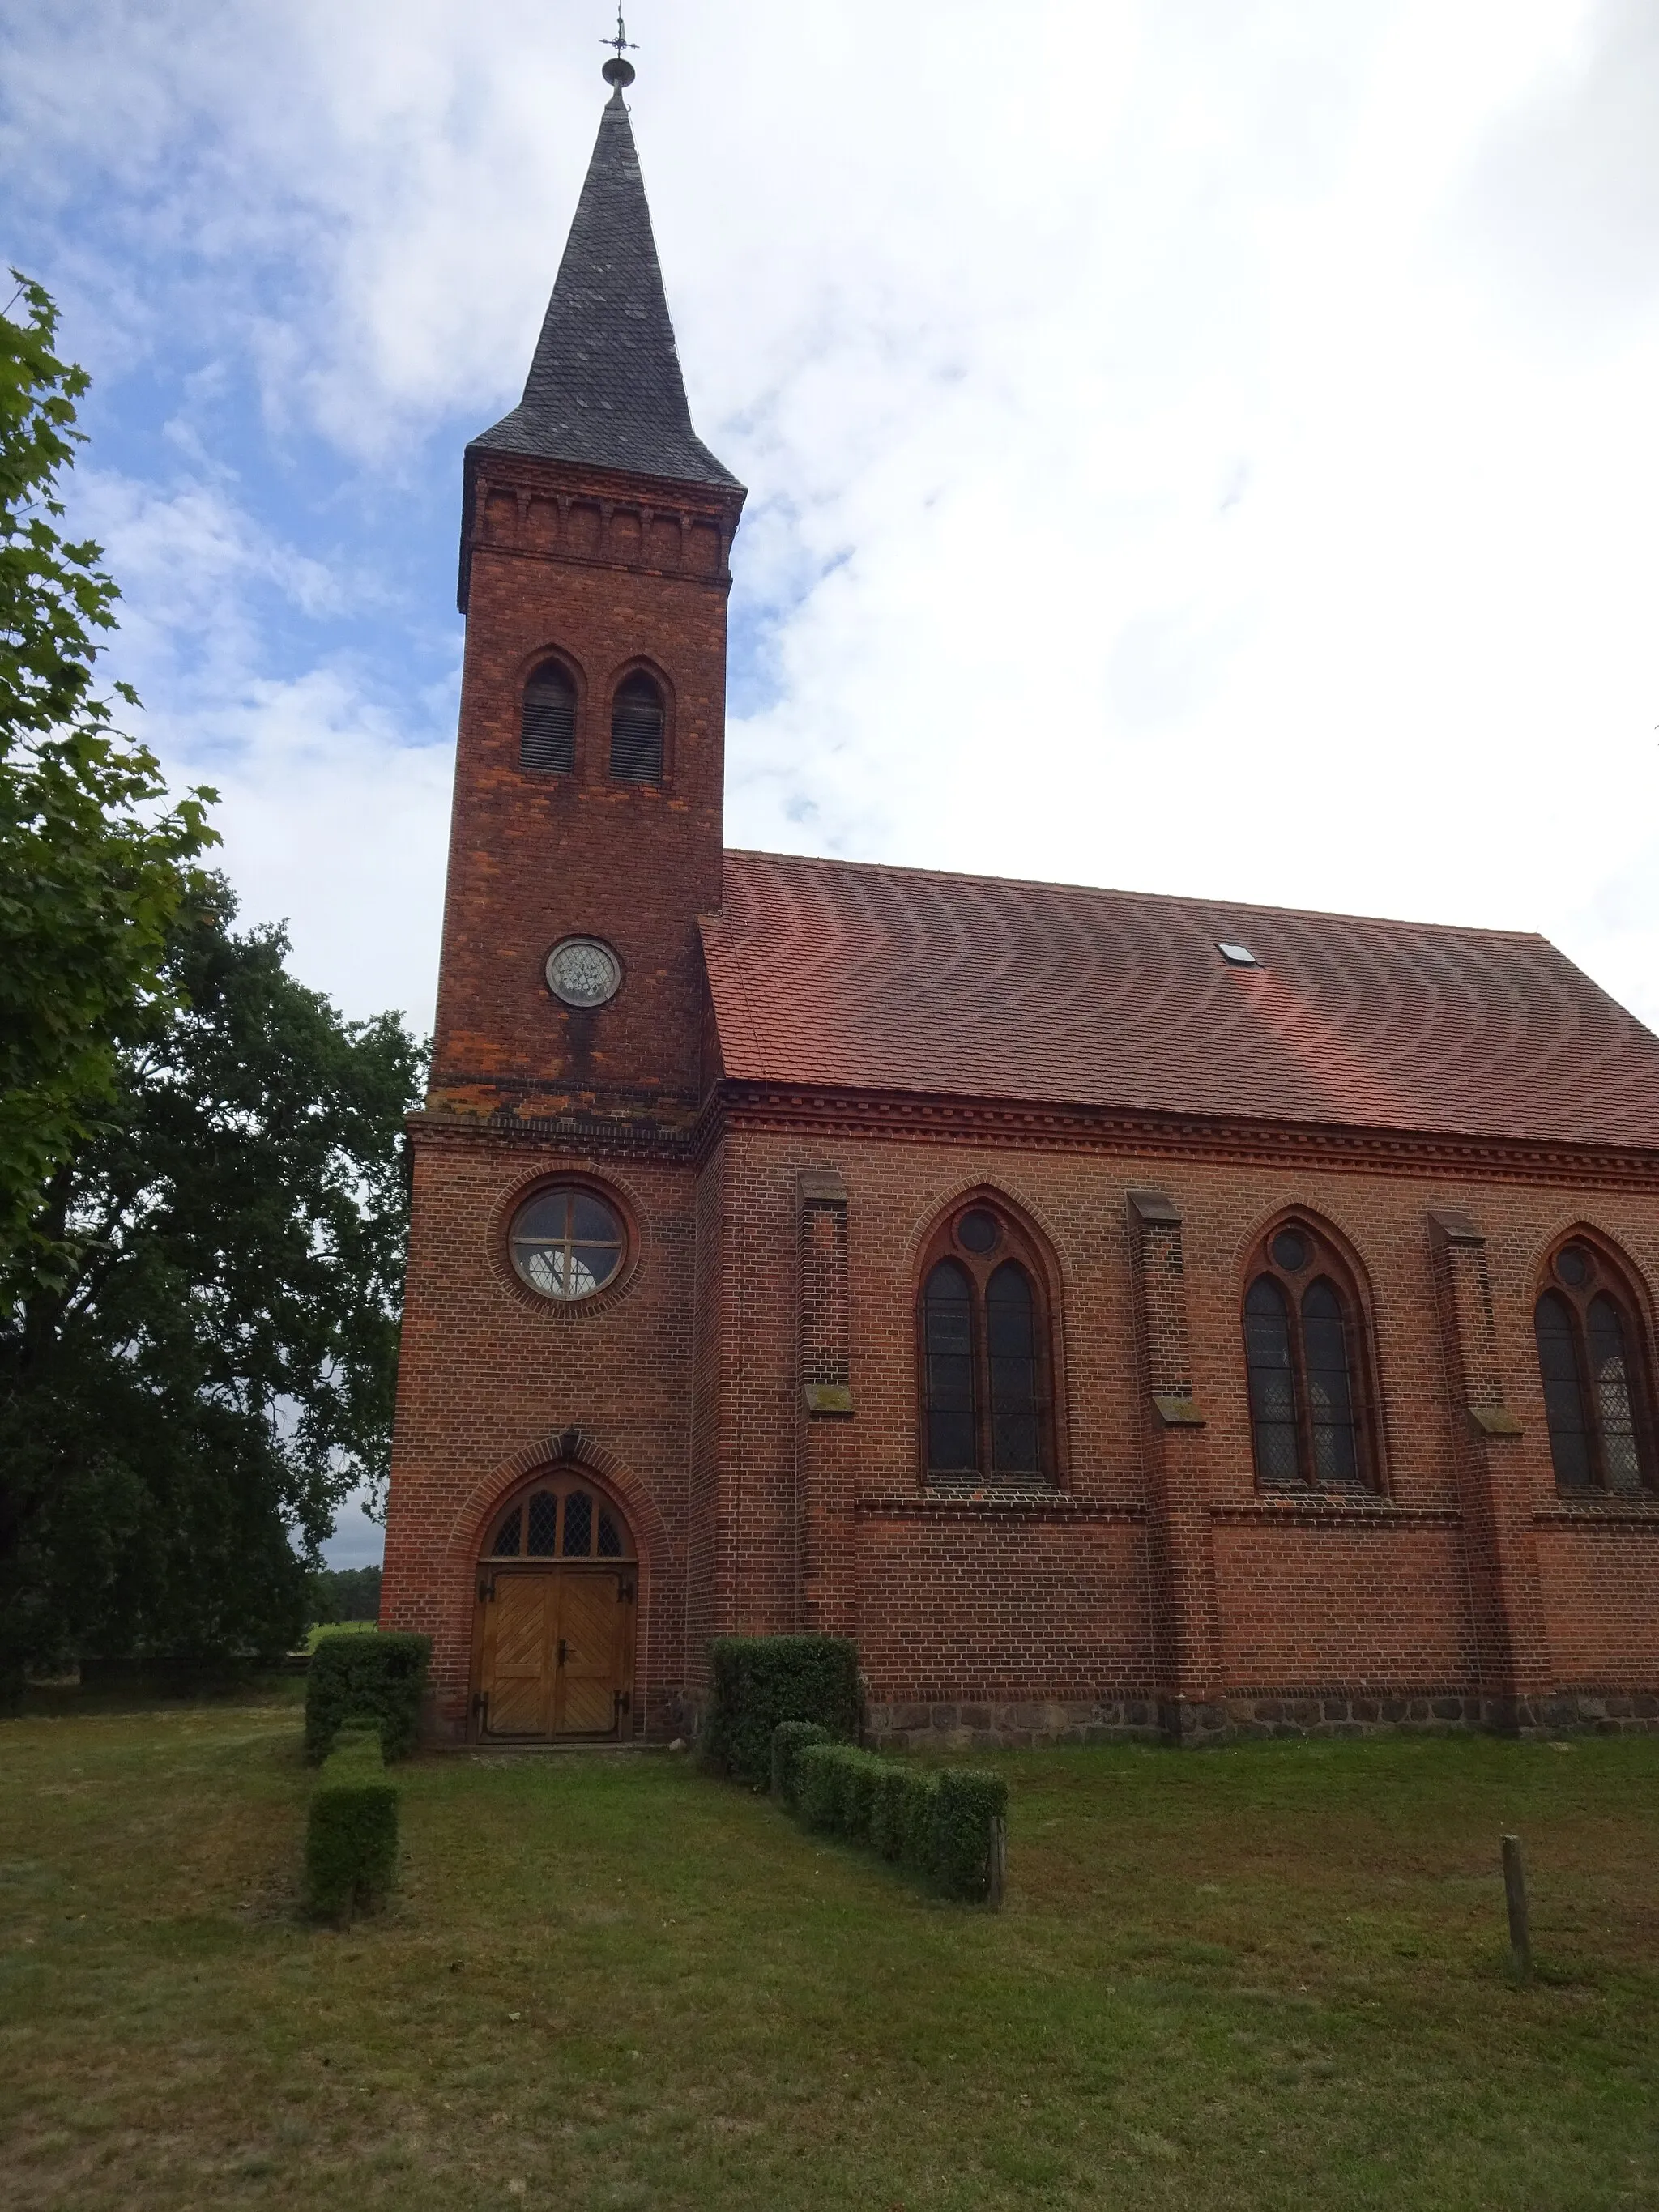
[[553, 1648]]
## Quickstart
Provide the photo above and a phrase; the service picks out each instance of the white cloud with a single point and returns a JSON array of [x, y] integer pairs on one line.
[[1206, 448], [334, 798]]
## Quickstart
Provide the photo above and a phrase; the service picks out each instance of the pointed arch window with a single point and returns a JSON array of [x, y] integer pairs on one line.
[[1307, 1362], [560, 1516], [636, 731], [1597, 1401], [547, 729], [984, 1355]]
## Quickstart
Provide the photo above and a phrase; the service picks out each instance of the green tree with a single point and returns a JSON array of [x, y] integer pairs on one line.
[[201, 1213], [92, 867], [186, 1396]]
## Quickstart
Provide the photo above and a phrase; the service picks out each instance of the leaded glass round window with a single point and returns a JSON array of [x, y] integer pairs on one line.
[[978, 1231], [583, 972], [1573, 1266], [567, 1243], [1290, 1250]]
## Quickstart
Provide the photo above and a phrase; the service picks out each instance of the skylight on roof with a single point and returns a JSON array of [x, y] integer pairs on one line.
[[1238, 955]]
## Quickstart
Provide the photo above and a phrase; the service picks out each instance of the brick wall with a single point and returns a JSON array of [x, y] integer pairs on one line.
[[1346, 1602], [749, 1391], [609, 574]]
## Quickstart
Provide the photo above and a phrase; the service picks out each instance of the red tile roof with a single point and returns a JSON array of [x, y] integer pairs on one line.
[[833, 973]]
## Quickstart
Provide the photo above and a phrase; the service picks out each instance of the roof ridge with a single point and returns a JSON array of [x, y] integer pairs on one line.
[[1149, 898]]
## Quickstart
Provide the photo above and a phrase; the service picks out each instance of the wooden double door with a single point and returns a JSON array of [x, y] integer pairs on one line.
[[555, 1651]]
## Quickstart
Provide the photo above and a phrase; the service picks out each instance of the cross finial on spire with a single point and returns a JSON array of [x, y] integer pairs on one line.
[[618, 70]]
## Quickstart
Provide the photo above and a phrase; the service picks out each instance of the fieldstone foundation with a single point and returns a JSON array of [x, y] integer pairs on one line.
[[1036, 1725]]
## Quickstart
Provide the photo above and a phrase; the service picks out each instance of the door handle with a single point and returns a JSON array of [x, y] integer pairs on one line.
[[561, 1651]]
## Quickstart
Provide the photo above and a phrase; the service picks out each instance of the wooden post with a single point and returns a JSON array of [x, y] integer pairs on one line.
[[1515, 1894], [996, 1866]]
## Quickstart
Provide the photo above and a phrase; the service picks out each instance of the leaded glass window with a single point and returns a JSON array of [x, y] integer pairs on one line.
[[577, 1525], [558, 1517], [1589, 1362], [983, 1353], [567, 1243], [948, 1327], [1273, 1380], [543, 1516], [1011, 1358], [1305, 1365]]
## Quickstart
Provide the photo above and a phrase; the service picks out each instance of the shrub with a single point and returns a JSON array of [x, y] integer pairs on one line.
[[789, 1739], [759, 1681], [966, 1802], [817, 1784], [376, 1678], [352, 1837], [860, 1771], [902, 1815]]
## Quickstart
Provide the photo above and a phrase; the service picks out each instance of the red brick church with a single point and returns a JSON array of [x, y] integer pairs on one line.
[[1121, 1314]]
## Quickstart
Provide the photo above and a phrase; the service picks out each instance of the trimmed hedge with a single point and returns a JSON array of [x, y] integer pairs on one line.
[[351, 1836], [966, 1803], [376, 1677], [789, 1739], [760, 1680], [902, 1817], [818, 1792], [936, 1822], [835, 1787]]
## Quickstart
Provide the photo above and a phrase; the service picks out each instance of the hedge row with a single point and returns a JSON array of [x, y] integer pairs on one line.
[[758, 1681], [937, 1821], [352, 1837], [376, 1677]]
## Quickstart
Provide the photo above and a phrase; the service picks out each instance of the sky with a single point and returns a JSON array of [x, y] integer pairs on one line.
[[1195, 445]]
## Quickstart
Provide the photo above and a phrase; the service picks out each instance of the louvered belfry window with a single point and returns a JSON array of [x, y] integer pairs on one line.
[[1590, 1363], [636, 726], [547, 733], [983, 1355], [1304, 1359]]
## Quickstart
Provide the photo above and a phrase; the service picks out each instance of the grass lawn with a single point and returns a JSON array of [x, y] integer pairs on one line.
[[1267, 1976]]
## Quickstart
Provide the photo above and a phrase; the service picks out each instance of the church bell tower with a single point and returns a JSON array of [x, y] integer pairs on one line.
[[538, 1512], [587, 830]]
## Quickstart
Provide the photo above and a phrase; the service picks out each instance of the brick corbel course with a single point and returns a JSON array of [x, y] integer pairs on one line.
[[1179, 1543]]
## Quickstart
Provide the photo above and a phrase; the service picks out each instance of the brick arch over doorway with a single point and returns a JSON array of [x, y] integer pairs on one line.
[[564, 1452]]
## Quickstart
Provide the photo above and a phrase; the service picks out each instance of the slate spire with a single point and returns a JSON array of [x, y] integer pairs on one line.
[[604, 386]]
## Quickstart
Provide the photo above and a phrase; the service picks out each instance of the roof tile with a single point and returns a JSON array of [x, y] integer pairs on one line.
[[849, 975]]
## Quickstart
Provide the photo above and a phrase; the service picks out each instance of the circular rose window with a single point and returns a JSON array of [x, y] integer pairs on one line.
[[567, 1243], [583, 972], [977, 1231]]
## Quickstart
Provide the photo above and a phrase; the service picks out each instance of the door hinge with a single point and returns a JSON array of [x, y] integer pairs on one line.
[[487, 1590]]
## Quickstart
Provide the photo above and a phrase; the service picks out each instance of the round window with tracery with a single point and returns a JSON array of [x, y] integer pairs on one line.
[[567, 1243]]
